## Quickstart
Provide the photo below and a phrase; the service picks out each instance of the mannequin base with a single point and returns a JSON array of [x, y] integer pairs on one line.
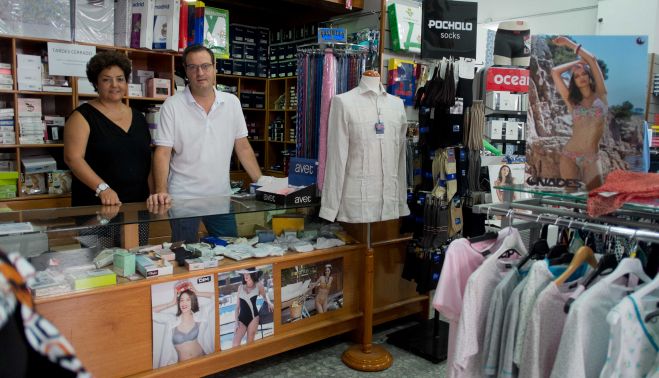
[[379, 359]]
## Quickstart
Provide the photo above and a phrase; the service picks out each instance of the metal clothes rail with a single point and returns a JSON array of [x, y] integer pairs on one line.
[[539, 214]]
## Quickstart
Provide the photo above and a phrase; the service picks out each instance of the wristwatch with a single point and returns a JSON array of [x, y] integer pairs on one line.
[[101, 187]]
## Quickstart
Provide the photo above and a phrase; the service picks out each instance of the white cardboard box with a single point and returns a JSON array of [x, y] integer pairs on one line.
[[38, 164], [494, 129], [142, 24], [153, 266], [123, 15], [28, 72], [166, 24], [94, 21]]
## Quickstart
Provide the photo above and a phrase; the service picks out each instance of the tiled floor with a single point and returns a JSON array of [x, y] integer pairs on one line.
[[323, 359]]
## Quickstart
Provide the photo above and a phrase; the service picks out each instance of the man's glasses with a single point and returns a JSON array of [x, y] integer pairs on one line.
[[194, 67]]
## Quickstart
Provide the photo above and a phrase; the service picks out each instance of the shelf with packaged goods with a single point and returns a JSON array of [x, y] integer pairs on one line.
[[41, 93]]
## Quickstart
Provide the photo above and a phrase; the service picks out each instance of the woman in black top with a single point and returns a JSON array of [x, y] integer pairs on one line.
[[107, 147], [106, 143]]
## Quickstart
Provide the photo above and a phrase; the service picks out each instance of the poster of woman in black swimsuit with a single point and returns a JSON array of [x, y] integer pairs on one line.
[[246, 306], [183, 315], [586, 109]]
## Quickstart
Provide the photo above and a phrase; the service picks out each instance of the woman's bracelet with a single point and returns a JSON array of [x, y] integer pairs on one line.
[[576, 50]]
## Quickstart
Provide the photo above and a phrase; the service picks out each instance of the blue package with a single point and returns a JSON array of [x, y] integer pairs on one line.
[[214, 241]]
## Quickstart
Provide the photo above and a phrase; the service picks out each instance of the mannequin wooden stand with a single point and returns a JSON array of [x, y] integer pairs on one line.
[[368, 357]]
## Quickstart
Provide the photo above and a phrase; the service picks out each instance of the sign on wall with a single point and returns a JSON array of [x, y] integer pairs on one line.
[[507, 79], [449, 29], [66, 59]]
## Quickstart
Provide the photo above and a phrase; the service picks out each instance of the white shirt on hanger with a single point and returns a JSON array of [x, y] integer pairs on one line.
[[365, 175]]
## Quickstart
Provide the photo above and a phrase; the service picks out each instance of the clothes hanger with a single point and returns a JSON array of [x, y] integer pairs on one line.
[[584, 254]]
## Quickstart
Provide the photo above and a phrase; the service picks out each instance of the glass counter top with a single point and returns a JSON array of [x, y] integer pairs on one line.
[[77, 218]]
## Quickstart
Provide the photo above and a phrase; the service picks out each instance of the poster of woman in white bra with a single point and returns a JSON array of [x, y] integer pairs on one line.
[[587, 97]]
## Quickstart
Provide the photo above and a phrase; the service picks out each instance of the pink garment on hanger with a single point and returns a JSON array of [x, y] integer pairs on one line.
[[328, 91], [623, 186]]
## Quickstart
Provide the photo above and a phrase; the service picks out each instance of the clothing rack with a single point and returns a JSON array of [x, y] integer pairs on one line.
[[545, 215], [335, 46]]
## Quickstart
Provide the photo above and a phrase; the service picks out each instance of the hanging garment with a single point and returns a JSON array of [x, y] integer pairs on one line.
[[469, 354], [634, 343], [461, 260], [543, 334], [623, 186], [31, 346], [585, 338], [365, 178], [507, 367], [494, 326], [328, 91]]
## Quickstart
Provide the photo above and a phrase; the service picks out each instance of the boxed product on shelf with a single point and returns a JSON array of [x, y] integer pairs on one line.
[[250, 69], [258, 100], [249, 52], [250, 34], [262, 69], [494, 129], [85, 86], [216, 31], [262, 35], [506, 101], [29, 107], [93, 21], [401, 81], [246, 99], [152, 116], [153, 266], [405, 24], [237, 50], [158, 88], [199, 263], [33, 183], [92, 278], [28, 72], [183, 26], [135, 90], [38, 164], [142, 24], [166, 24], [54, 128], [59, 182], [238, 67], [6, 79], [262, 53], [123, 15], [226, 66], [37, 18], [237, 33]]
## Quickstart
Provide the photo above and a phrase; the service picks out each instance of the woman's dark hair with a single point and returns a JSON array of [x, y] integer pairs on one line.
[[107, 59], [256, 276], [575, 95], [193, 300], [196, 48], [509, 178]]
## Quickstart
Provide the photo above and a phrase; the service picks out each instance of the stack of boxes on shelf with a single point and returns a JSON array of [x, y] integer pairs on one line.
[[276, 130], [249, 52], [32, 75], [6, 78], [8, 177], [293, 97], [252, 99], [283, 48], [7, 133], [31, 127], [41, 176], [506, 103]]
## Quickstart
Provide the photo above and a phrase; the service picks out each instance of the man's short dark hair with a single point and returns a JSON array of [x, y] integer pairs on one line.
[[197, 48], [107, 59]]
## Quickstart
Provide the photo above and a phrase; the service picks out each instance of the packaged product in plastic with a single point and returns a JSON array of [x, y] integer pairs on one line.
[[36, 18], [94, 21]]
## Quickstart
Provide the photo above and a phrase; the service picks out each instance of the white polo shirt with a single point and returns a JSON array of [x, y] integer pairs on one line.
[[202, 144]]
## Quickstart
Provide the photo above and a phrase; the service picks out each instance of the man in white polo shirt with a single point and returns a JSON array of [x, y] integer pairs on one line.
[[198, 131]]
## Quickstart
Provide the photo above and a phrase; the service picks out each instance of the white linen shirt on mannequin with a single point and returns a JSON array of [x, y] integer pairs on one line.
[[365, 179], [202, 144]]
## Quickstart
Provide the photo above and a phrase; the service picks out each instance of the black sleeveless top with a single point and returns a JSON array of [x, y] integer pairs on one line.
[[121, 159]]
